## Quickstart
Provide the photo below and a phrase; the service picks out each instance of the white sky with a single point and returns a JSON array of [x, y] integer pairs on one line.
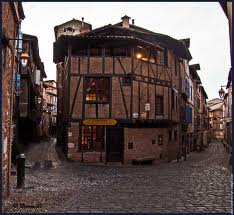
[[204, 23]]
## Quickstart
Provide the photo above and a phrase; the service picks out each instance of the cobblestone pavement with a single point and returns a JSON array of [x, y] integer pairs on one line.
[[200, 184]]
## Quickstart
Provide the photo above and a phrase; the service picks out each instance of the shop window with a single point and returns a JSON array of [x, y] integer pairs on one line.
[[97, 90], [159, 105], [160, 139], [92, 138]]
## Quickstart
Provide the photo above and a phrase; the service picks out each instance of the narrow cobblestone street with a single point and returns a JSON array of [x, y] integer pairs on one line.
[[200, 184]]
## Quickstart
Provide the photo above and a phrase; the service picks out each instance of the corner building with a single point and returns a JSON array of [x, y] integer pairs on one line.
[[119, 90]]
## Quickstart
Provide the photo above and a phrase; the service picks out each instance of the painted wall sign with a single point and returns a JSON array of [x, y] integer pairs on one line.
[[100, 122]]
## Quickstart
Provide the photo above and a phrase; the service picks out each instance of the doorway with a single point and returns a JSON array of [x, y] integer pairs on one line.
[[114, 144]]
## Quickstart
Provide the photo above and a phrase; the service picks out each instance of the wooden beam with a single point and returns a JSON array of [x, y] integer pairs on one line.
[[121, 65], [84, 97], [131, 101], [78, 65], [114, 65], [155, 96], [122, 93], [69, 82], [88, 60], [139, 98], [103, 60], [74, 99], [137, 65], [110, 99]]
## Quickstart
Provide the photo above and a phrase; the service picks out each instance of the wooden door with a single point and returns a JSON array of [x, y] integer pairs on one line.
[[114, 144]]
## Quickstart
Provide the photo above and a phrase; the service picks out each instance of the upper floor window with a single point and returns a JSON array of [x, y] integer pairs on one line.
[[159, 105], [187, 88], [97, 90]]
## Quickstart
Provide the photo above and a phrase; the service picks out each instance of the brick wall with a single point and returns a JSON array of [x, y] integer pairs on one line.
[[79, 66], [9, 28], [143, 145]]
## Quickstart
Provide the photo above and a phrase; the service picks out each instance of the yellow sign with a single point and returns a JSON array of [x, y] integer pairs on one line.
[[100, 122]]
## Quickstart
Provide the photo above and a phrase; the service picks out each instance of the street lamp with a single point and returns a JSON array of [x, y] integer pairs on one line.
[[221, 92]]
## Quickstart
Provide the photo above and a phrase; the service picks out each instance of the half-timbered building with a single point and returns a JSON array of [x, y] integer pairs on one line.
[[119, 90]]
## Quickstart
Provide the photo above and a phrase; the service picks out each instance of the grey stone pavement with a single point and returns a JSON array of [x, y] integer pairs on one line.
[[200, 184]]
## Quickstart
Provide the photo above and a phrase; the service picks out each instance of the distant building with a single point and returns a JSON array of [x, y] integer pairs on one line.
[[50, 96], [215, 107]]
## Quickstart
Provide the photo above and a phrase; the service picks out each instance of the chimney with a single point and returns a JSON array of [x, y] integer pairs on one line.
[[133, 21], [82, 24], [125, 21]]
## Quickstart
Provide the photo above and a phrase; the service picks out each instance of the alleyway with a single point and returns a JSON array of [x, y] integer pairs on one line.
[[200, 184]]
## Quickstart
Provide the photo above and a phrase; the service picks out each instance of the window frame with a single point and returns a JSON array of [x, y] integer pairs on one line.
[[97, 94], [162, 105], [93, 144]]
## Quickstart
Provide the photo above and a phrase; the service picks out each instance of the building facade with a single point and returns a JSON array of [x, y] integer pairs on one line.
[[227, 114], [30, 99], [50, 96], [12, 15], [216, 118], [120, 91]]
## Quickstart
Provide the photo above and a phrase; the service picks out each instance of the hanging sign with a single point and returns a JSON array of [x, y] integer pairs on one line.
[[100, 122]]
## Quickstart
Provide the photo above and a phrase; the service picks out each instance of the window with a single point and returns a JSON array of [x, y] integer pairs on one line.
[[97, 90], [160, 139], [187, 87], [130, 145], [159, 105], [126, 81], [172, 100], [170, 134], [175, 135], [92, 138]]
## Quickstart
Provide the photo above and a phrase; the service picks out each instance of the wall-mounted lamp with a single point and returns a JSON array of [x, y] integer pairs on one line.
[[24, 59], [138, 55]]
